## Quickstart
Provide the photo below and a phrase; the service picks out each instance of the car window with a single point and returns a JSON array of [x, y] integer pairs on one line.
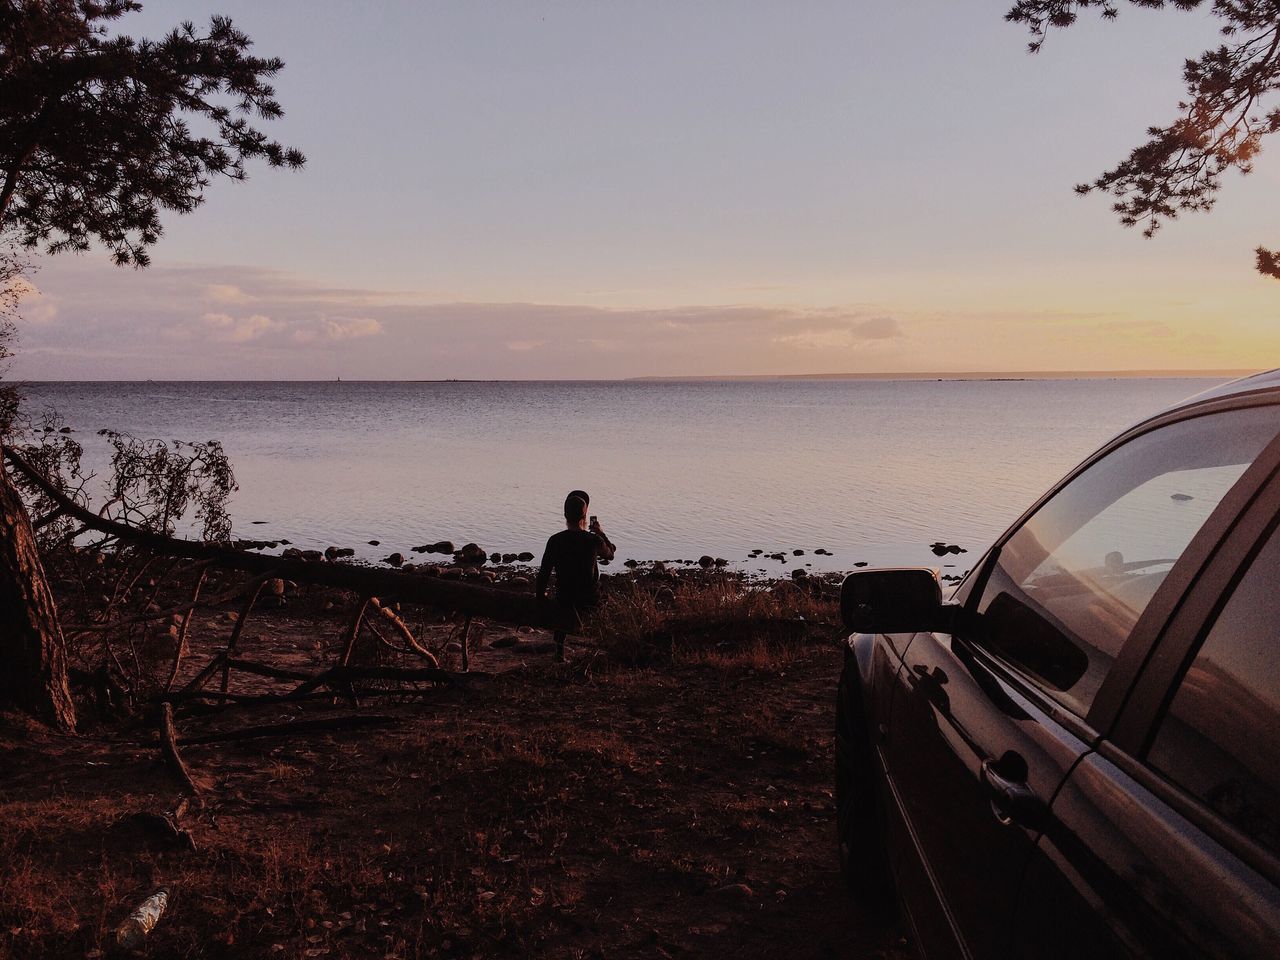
[[1064, 592], [1220, 738]]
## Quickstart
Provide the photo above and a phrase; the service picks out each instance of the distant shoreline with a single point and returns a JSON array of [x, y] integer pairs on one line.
[[941, 375], [987, 375]]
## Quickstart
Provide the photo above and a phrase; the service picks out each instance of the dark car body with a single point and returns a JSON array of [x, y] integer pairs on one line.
[[1078, 755]]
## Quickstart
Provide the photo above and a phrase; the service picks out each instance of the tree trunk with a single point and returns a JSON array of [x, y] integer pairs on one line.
[[33, 663]]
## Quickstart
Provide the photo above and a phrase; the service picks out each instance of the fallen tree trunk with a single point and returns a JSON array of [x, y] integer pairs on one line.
[[465, 598]]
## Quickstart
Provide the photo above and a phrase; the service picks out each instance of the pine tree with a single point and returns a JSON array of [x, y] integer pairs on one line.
[[1221, 122], [99, 133]]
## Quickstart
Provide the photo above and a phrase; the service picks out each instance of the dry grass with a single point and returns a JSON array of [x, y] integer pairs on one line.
[[719, 621]]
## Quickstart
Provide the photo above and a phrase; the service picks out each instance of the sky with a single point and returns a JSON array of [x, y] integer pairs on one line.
[[530, 189]]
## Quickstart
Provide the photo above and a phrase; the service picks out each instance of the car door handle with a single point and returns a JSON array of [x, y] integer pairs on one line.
[[1011, 800]]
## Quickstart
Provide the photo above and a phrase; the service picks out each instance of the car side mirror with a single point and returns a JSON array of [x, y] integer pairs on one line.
[[898, 600]]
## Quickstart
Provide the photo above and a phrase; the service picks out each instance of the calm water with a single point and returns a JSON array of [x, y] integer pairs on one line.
[[870, 470]]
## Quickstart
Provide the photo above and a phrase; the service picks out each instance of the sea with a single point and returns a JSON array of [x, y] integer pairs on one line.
[[868, 471]]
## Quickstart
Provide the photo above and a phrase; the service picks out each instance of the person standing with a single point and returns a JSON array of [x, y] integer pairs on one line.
[[572, 555]]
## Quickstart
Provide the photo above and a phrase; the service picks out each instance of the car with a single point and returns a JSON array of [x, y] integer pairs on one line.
[[1077, 752]]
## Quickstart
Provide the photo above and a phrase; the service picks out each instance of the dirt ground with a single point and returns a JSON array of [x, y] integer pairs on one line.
[[587, 809]]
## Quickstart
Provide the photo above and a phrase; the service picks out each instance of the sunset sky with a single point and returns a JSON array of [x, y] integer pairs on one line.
[[604, 189]]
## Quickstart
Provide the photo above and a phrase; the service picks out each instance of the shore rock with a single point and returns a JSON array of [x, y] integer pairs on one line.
[[375, 543], [472, 553], [524, 557], [396, 559], [706, 561]]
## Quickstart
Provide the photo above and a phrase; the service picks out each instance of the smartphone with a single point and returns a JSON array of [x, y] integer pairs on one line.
[[594, 518]]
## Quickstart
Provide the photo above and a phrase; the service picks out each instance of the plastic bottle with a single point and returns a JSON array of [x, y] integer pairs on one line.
[[143, 920]]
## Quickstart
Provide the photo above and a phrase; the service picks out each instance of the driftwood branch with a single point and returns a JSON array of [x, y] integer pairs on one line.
[[181, 644], [234, 640], [169, 748], [263, 670], [292, 728], [403, 629], [346, 675], [463, 643], [110, 625]]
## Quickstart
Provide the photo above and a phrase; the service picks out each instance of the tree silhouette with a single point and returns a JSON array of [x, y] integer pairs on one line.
[[98, 134], [96, 131], [1221, 122]]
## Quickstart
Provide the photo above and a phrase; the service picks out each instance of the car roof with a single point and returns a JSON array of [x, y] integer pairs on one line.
[[1268, 381]]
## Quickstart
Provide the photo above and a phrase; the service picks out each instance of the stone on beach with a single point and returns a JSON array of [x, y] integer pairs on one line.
[[524, 557], [471, 553], [396, 559]]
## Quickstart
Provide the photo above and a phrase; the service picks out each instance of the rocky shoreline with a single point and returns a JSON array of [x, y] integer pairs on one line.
[[473, 562]]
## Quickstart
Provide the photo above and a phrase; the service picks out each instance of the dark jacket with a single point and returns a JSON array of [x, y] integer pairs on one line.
[[571, 555]]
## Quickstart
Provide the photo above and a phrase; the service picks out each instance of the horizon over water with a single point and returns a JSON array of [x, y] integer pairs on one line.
[[872, 469]]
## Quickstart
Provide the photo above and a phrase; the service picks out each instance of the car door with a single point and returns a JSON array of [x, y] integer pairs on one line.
[[989, 719], [1166, 842]]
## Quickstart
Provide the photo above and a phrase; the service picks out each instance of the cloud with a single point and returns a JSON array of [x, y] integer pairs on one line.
[[224, 328], [837, 335], [34, 306], [225, 293], [238, 322], [232, 330], [328, 330]]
